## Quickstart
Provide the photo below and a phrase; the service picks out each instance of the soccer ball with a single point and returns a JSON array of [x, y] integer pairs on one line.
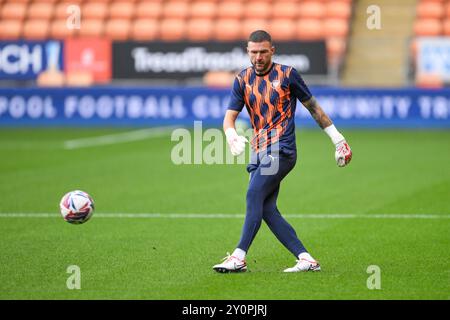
[[76, 207]]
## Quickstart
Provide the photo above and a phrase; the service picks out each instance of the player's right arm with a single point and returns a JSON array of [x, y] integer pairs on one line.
[[230, 119], [235, 141]]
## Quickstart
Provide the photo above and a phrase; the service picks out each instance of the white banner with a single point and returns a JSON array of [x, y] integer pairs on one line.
[[433, 57]]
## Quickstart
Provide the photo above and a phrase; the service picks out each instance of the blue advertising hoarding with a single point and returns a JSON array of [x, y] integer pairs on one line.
[[110, 106], [24, 60]]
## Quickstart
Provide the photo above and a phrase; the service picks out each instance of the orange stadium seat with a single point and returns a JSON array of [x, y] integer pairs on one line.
[[97, 1], [94, 10], [282, 29], [144, 29], [202, 9], [121, 10], [40, 10], [285, 9], [428, 9], [427, 27], [50, 78], [344, 1], [175, 9], [309, 29], [336, 47], [311, 9], [91, 28], [53, 2], [59, 29], [69, 2], [257, 10], [36, 29], [227, 29], [429, 81], [233, 9], [172, 29], [335, 27], [250, 25], [218, 79], [447, 10], [18, 1], [338, 9], [148, 9], [10, 29], [199, 29], [13, 10], [60, 10], [446, 27], [117, 29], [79, 78]]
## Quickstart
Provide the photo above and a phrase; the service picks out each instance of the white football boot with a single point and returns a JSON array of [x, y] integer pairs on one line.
[[231, 264], [304, 264]]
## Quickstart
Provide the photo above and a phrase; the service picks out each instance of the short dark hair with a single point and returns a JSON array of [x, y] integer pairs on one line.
[[260, 36]]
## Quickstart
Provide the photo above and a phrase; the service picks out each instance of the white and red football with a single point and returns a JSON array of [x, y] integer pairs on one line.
[[76, 207]]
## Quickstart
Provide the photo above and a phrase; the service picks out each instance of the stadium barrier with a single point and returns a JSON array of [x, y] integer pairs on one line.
[[183, 60], [112, 106], [106, 60], [25, 60]]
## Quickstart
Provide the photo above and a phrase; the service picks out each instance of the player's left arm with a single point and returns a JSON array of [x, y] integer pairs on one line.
[[343, 154], [298, 87]]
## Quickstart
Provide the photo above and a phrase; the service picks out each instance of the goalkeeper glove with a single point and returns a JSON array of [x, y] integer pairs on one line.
[[343, 154], [235, 141]]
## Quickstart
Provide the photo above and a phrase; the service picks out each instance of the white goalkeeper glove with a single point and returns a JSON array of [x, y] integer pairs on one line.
[[343, 153], [235, 141]]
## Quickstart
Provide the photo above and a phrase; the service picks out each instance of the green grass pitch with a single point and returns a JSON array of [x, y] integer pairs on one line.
[[392, 172]]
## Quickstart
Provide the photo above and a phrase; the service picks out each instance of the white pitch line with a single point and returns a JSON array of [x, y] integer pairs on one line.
[[118, 137], [233, 216]]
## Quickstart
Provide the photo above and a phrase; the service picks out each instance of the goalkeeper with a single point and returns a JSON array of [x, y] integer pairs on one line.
[[269, 92]]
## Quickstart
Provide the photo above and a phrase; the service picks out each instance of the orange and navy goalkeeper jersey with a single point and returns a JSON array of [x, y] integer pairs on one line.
[[270, 100]]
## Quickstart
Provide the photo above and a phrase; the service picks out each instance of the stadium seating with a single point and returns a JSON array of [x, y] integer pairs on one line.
[[181, 20], [432, 17], [199, 29], [227, 29], [192, 20], [144, 29], [230, 9]]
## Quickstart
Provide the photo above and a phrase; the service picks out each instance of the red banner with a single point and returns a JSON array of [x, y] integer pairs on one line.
[[91, 55]]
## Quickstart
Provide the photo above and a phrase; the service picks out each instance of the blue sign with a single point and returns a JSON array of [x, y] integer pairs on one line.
[[108, 106], [24, 60]]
